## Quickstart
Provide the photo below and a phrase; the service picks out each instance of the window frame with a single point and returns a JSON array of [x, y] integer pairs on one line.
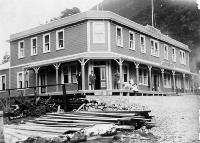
[[33, 54], [143, 77], [20, 72], [94, 33], [57, 39], [174, 56], [153, 49], [19, 48], [166, 55], [125, 66], [121, 43], [26, 81], [141, 47], [133, 41], [182, 57], [44, 50], [1, 87]]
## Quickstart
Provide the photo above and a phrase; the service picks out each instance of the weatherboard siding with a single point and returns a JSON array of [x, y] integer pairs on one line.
[[75, 41]]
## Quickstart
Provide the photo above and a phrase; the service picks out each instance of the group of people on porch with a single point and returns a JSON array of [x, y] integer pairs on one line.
[[92, 77]]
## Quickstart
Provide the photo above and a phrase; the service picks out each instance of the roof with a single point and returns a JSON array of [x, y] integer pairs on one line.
[[5, 66], [105, 15]]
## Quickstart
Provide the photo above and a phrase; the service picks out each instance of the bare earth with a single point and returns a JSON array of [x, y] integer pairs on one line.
[[176, 117]]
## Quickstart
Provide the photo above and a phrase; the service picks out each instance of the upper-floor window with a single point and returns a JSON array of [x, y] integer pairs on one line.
[[46, 43], [154, 48], [119, 36], [131, 40], [20, 79], [173, 54], [182, 57], [2, 82], [59, 39], [98, 32], [166, 52], [34, 46], [142, 44], [21, 49]]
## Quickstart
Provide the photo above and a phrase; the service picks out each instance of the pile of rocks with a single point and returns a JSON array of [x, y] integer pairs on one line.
[[93, 105]]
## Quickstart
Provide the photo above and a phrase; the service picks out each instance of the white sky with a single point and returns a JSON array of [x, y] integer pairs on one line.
[[18, 15]]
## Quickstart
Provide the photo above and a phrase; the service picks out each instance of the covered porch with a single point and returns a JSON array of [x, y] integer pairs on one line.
[[151, 78]]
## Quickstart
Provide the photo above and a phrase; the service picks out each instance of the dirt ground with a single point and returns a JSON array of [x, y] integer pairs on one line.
[[176, 117]]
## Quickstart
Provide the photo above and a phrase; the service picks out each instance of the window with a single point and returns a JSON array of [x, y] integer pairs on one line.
[[27, 79], [60, 39], [173, 54], [142, 44], [73, 74], [46, 43], [98, 32], [131, 40], [167, 80], [119, 36], [21, 49], [166, 52], [65, 74], [2, 82], [182, 57], [143, 76], [178, 82], [34, 46], [154, 48], [20, 79], [125, 73]]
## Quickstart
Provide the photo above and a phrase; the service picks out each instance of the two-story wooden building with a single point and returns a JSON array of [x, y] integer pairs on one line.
[[99, 41]]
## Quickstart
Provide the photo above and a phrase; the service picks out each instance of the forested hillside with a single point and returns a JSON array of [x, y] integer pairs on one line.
[[180, 19]]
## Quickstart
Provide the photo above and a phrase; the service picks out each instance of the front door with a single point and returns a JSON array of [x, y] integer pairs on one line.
[[43, 82], [100, 73]]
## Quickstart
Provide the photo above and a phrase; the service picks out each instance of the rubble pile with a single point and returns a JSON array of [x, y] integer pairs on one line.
[[94, 105]]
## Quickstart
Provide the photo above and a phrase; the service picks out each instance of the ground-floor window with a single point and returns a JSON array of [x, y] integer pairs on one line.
[[178, 82], [2, 82], [143, 76], [167, 80], [187, 83], [69, 73], [27, 80], [20, 79]]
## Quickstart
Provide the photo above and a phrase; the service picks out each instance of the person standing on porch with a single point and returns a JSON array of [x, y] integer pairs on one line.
[[79, 80], [116, 80], [92, 79]]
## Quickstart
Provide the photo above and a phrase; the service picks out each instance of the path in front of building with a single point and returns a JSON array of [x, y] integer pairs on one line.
[[176, 117]]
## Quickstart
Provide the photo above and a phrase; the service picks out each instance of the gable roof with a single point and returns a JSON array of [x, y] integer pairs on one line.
[[105, 15]]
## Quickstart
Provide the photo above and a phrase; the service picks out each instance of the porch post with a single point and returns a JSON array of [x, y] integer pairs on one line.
[[36, 69], [83, 62], [184, 82], [120, 70], [57, 65], [174, 83], [192, 83], [162, 72], [150, 67], [137, 73]]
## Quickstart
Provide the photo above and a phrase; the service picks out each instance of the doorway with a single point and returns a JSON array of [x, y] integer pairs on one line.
[[156, 82], [43, 81], [100, 73]]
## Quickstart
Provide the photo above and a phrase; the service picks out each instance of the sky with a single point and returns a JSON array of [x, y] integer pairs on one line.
[[19, 15]]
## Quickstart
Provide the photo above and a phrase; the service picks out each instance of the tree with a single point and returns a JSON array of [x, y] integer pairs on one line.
[[67, 12], [6, 58]]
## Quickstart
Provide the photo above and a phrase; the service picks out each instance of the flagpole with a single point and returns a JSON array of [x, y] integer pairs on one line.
[[152, 13]]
